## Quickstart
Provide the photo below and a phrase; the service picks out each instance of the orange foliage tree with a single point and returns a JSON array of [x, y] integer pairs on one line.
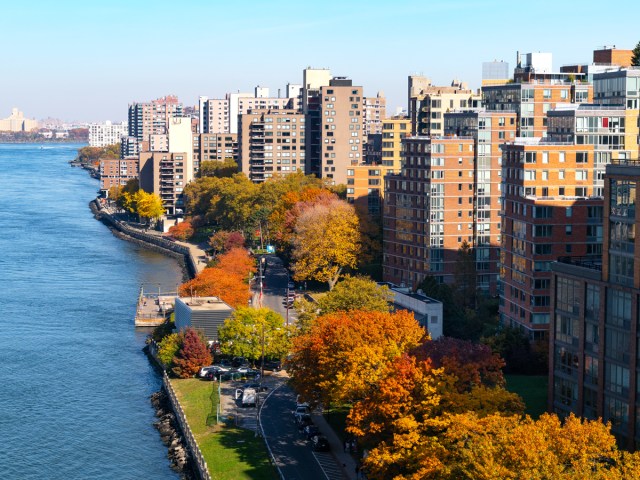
[[182, 231], [216, 282], [192, 355], [343, 355], [237, 261]]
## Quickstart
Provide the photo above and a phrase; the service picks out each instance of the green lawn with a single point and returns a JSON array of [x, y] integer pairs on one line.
[[532, 389], [231, 453]]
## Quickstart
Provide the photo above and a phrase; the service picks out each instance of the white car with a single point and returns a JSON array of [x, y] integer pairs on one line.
[[211, 368]]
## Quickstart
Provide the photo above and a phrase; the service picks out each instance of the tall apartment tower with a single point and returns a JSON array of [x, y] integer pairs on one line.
[[271, 143], [595, 326], [312, 80], [335, 130], [428, 103], [150, 118]]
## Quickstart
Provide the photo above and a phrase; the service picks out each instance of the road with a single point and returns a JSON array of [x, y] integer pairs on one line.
[[291, 450], [274, 287]]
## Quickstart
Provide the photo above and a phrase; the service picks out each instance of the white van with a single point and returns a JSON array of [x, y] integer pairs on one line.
[[249, 397]]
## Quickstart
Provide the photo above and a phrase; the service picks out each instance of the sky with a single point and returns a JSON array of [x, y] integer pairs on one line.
[[86, 61]]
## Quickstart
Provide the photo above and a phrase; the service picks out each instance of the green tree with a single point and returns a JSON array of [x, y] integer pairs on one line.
[[356, 293], [326, 240], [249, 332], [168, 347], [635, 57], [465, 276]]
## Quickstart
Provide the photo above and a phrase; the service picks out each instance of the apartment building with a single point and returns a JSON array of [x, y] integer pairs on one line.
[[335, 130], [394, 131], [365, 187], [214, 147], [428, 209], [532, 101], [116, 172], [271, 143], [551, 208], [167, 172], [220, 115], [312, 80], [428, 103], [150, 118], [594, 330], [374, 111], [104, 134]]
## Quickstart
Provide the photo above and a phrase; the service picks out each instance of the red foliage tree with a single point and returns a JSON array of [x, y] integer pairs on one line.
[[193, 355], [182, 231], [471, 363]]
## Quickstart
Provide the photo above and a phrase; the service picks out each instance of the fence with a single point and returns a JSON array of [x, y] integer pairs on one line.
[[192, 445]]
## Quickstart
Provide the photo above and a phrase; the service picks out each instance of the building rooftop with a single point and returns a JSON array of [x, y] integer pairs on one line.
[[204, 303]]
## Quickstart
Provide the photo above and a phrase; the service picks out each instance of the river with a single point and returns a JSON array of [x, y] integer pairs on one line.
[[74, 382]]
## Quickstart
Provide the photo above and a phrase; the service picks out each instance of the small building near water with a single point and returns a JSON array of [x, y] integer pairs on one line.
[[202, 313]]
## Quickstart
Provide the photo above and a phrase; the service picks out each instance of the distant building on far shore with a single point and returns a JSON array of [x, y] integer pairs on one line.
[[104, 134], [16, 122]]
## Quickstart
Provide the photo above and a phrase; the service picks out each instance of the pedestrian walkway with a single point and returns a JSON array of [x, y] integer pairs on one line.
[[343, 458]]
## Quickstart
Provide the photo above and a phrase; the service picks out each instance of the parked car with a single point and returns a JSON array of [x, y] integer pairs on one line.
[[303, 420], [310, 431], [273, 365], [211, 368], [239, 362], [291, 286], [319, 443], [302, 409]]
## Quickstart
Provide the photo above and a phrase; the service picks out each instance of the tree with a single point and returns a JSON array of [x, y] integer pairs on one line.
[[237, 261], [193, 355], [249, 332], [356, 293], [222, 240], [168, 347], [344, 354], [326, 240], [215, 282], [148, 205], [635, 56], [519, 354], [182, 231], [220, 169], [465, 276]]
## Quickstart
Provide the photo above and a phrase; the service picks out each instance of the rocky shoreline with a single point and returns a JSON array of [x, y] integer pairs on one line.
[[171, 436]]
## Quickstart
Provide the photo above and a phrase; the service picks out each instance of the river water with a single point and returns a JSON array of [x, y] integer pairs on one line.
[[74, 382]]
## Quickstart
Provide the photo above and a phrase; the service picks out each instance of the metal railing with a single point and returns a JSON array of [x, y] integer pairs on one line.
[[198, 458]]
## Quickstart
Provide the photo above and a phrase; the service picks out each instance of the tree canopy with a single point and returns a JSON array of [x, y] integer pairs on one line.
[[220, 169], [216, 282], [344, 354], [248, 329], [326, 240], [193, 354], [356, 293], [635, 56]]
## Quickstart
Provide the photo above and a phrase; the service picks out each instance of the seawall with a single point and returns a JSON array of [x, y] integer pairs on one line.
[[153, 242]]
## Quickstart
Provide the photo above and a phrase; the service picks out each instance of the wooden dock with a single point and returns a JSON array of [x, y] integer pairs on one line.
[[153, 309]]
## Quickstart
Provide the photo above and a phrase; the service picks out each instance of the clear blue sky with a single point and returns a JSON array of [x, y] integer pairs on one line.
[[87, 60]]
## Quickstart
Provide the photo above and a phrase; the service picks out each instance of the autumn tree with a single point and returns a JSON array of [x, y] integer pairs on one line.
[[215, 282], [249, 332], [223, 240], [182, 231], [344, 354], [220, 169], [326, 241], [168, 347], [193, 355], [148, 205], [236, 261], [356, 293]]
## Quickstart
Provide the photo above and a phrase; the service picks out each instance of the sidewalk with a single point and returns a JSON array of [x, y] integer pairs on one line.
[[337, 447]]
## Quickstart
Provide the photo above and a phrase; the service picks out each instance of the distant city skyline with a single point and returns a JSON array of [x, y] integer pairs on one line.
[[81, 61]]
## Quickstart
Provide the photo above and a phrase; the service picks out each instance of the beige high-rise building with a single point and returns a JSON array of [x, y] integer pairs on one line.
[[312, 80], [335, 130], [428, 103], [167, 172], [271, 143], [214, 147], [16, 122], [375, 111]]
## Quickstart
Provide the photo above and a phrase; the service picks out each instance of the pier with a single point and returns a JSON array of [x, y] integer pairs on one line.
[[153, 308]]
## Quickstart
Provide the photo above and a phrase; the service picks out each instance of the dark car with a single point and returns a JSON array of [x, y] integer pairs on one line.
[[256, 386], [274, 366], [310, 431], [319, 443], [303, 420]]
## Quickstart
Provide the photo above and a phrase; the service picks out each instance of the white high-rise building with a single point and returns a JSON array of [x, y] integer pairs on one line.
[[103, 134]]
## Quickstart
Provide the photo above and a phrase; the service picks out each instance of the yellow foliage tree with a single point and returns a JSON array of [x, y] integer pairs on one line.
[[148, 205], [326, 240]]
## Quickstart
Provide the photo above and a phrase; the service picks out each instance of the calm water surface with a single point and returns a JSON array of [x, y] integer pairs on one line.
[[74, 383]]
